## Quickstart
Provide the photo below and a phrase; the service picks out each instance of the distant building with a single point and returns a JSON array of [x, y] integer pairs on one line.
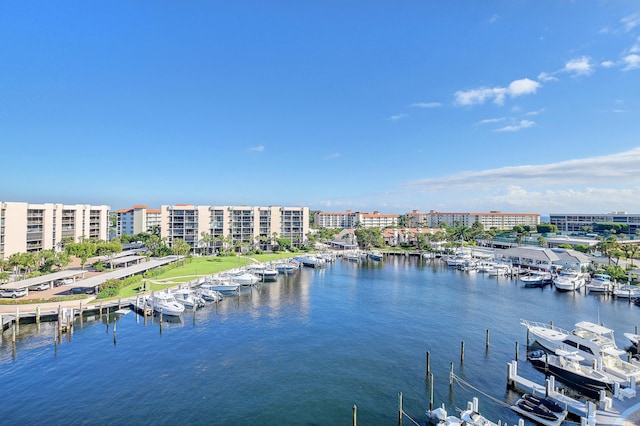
[[237, 224], [490, 220], [397, 236], [136, 220], [576, 222], [26, 227], [350, 219]]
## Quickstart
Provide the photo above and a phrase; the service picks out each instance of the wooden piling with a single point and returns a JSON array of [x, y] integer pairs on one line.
[[80, 314], [430, 392], [37, 314], [354, 415], [399, 408], [517, 350], [17, 315], [451, 375], [13, 335], [100, 308], [119, 303], [486, 340], [528, 335], [462, 351], [428, 363]]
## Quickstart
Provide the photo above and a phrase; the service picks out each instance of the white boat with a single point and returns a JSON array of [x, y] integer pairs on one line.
[[458, 259], [163, 302], [592, 341], [540, 409], [568, 280], [188, 298], [222, 285], [286, 266], [240, 277], [626, 291], [263, 272], [469, 417], [633, 338], [375, 255], [498, 270], [533, 280], [600, 283], [311, 261], [208, 293]]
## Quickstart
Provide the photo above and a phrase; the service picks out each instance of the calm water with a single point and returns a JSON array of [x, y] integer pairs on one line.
[[302, 350]]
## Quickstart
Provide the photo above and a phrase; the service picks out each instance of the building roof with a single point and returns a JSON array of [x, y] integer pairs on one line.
[[535, 253]]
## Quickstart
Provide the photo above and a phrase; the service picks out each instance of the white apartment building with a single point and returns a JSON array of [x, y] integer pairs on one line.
[[575, 222], [239, 224], [136, 220], [350, 219], [26, 227], [490, 220]]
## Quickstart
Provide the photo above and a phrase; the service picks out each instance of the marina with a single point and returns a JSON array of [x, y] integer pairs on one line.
[[342, 335]]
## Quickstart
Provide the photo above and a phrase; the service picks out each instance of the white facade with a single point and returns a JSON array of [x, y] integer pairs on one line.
[[575, 222], [349, 219], [28, 227], [490, 220], [136, 220], [237, 224]]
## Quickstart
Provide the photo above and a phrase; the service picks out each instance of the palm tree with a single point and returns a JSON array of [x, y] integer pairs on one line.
[[207, 239], [181, 248]]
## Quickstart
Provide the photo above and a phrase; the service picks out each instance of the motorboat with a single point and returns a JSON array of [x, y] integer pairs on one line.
[[286, 266], [263, 272], [568, 280], [633, 338], [532, 280], [240, 277], [375, 255], [626, 291], [498, 270], [311, 261], [600, 283], [591, 341], [221, 285], [165, 303], [188, 298], [468, 417], [539, 409], [566, 367], [459, 259], [209, 294]]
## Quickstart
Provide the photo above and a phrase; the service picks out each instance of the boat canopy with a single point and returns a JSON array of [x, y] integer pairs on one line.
[[594, 328]]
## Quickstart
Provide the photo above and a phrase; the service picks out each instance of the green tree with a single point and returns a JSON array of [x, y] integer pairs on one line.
[[109, 249], [82, 251], [181, 248], [546, 228]]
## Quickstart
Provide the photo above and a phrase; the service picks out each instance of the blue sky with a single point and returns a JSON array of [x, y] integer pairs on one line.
[[519, 106]]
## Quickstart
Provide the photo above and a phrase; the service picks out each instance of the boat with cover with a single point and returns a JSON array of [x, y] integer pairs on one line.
[[568, 280], [263, 272], [375, 255], [600, 283], [626, 291], [567, 368], [539, 409], [221, 285], [286, 266], [533, 280], [163, 302], [243, 278], [188, 298]]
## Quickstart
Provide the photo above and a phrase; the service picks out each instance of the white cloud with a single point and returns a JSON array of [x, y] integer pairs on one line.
[[545, 76], [495, 18], [579, 66], [523, 124], [631, 62], [491, 120], [397, 117], [426, 105], [478, 96], [533, 113], [522, 87], [606, 170], [258, 148], [332, 156], [630, 22], [607, 64]]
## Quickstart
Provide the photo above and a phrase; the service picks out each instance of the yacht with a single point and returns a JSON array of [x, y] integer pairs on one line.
[[568, 280], [600, 283], [164, 303], [188, 298], [243, 278]]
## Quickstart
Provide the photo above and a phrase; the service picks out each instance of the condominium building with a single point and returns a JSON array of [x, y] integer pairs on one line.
[[136, 220], [236, 224], [490, 220], [350, 219], [576, 222], [26, 227]]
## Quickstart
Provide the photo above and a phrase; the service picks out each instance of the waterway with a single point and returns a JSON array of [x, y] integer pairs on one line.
[[302, 350]]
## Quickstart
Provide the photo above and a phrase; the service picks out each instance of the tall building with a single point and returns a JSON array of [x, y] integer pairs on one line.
[[136, 220], [490, 220], [28, 227], [236, 224], [576, 222], [350, 219]]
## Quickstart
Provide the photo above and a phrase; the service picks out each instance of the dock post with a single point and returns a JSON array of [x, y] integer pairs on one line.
[[428, 363], [509, 373], [13, 335], [119, 303], [487, 339], [60, 318], [17, 315], [528, 337], [462, 352], [354, 415], [400, 409], [451, 376], [100, 308], [517, 350], [430, 392], [37, 314], [80, 314]]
